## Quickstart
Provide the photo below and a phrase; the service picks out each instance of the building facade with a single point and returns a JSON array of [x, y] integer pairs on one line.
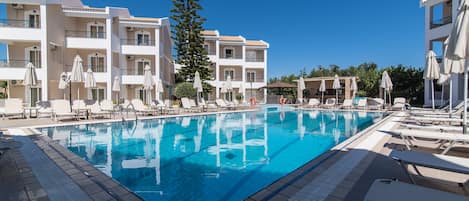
[[244, 61], [111, 42], [439, 18]]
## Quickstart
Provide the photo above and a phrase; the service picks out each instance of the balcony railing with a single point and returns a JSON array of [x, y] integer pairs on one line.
[[95, 69], [85, 34], [231, 57], [440, 22], [9, 63], [254, 59], [137, 42], [18, 23]]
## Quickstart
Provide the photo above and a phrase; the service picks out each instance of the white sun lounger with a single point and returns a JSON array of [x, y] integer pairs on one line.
[[186, 105], [399, 104], [313, 102], [330, 103], [62, 108], [141, 108], [389, 190], [347, 104], [429, 127], [436, 119], [428, 160], [448, 139], [14, 107], [221, 103]]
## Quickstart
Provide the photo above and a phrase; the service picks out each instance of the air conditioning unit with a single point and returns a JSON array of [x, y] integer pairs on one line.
[[130, 29], [15, 83], [130, 58], [17, 6]]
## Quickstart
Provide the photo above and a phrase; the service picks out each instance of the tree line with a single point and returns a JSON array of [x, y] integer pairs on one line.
[[407, 81]]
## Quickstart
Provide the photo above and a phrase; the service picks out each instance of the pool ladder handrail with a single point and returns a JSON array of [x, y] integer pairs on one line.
[[127, 111]]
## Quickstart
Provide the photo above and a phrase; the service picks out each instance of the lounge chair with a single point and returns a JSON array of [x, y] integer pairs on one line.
[[169, 107], [399, 104], [433, 120], [141, 108], [13, 108], [222, 104], [61, 108], [347, 104], [391, 190], [187, 106], [445, 139], [192, 103], [428, 160], [95, 110], [209, 107], [313, 102], [429, 127], [330, 103], [107, 105], [375, 103], [44, 109], [80, 107]]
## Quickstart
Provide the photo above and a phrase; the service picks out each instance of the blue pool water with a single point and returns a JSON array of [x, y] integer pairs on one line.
[[212, 157]]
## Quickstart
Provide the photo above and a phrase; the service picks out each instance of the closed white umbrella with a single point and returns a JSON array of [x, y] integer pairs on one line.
[[336, 86], [90, 82], [457, 49], [322, 89], [432, 72], [159, 88], [229, 86], [241, 91], [30, 79], [116, 86], [198, 85], [386, 84], [148, 82], [450, 67], [301, 88], [443, 80], [354, 86], [77, 74]]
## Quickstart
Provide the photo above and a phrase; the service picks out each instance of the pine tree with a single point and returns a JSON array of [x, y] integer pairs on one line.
[[188, 40]]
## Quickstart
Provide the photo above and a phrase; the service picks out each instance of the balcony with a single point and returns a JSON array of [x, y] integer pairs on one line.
[[138, 47], [100, 73], [85, 39], [15, 69], [254, 59], [132, 77], [440, 22], [19, 30]]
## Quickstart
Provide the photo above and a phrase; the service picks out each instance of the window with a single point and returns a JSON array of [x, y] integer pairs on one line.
[[251, 56], [143, 38], [440, 14], [207, 48], [33, 55], [96, 30], [229, 72], [140, 66], [97, 94], [229, 53], [96, 62], [250, 76], [141, 94], [438, 47], [229, 96], [32, 19]]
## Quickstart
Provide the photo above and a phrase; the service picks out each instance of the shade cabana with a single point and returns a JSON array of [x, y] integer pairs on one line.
[[278, 88], [313, 85]]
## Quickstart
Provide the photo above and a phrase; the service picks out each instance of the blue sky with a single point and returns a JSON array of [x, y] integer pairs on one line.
[[306, 33]]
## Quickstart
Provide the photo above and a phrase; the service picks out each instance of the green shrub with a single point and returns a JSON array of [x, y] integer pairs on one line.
[[185, 89]]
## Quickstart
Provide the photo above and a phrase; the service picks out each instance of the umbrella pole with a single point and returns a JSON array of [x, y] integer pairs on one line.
[[384, 97], [433, 95], [442, 94], [450, 97], [465, 101]]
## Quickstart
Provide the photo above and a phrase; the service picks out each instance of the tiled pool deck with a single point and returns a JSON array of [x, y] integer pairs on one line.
[[344, 173]]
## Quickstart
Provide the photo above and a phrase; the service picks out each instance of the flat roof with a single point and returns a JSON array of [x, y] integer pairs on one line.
[[141, 19], [209, 33], [316, 79], [231, 38], [255, 43]]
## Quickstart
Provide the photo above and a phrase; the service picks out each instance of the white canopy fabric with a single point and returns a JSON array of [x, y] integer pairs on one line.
[[336, 83], [30, 79], [30, 76], [148, 81], [444, 79], [223, 88], [354, 86], [159, 87], [432, 72], [387, 85], [241, 88], [77, 74], [90, 82], [63, 82], [301, 88], [322, 89], [228, 83], [457, 48], [197, 82], [116, 85]]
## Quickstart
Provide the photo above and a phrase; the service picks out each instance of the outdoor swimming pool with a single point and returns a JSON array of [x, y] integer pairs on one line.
[[211, 157]]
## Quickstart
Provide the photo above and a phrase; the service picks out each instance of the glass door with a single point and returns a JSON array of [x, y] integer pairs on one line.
[[35, 57], [96, 31], [36, 93], [141, 66], [143, 39], [97, 94], [97, 64], [33, 20]]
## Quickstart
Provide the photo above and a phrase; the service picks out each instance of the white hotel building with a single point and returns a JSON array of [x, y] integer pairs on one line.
[[439, 18], [245, 61], [112, 42]]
